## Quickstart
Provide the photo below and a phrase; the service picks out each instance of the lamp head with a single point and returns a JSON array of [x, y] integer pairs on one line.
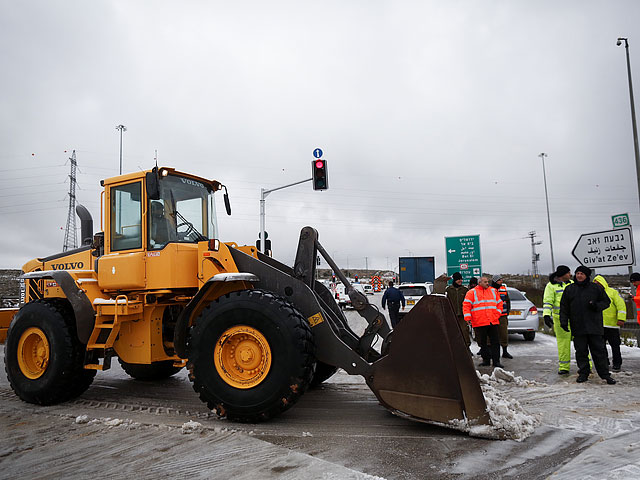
[[620, 40]]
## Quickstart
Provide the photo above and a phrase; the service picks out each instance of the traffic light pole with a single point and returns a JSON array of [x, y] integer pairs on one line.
[[263, 195]]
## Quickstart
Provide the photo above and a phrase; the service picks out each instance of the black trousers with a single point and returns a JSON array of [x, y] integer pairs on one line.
[[489, 352], [594, 344], [394, 308], [612, 335]]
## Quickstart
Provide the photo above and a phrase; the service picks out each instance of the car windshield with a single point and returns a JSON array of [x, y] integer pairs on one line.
[[185, 212], [413, 291], [515, 295]]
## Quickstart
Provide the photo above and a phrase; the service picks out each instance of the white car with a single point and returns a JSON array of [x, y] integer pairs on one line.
[[523, 316], [413, 292], [341, 296], [368, 289]]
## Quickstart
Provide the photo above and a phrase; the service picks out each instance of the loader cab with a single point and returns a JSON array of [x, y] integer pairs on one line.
[[153, 223], [183, 210]]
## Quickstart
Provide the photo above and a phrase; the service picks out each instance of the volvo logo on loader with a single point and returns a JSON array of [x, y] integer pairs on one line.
[[67, 266], [192, 182]]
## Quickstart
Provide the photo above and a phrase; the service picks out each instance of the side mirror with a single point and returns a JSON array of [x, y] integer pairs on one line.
[[153, 184], [227, 203]]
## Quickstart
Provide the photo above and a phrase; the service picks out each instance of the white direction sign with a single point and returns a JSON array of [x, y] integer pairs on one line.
[[612, 248]]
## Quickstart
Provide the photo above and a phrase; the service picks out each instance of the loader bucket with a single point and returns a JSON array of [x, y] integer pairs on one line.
[[428, 373]]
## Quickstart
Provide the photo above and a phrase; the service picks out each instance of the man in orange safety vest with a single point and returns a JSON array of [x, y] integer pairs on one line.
[[482, 307]]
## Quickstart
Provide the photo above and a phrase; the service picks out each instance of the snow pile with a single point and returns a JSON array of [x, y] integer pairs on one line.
[[109, 422], [508, 418], [191, 427], [502, 377], [509, 421], [82, 419], [307, 434]]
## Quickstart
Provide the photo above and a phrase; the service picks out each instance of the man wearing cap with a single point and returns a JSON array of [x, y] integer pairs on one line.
[[558, 281], [456, 293], [581, 306], [497, 283]]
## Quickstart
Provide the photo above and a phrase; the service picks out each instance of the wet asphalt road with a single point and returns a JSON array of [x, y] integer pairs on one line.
[[340, 422]]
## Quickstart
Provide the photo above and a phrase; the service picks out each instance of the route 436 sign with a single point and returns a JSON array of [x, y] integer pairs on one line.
[[612, 248]]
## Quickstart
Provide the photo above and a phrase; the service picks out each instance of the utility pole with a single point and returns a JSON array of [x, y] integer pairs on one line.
[[634, 126], [122, 128], [546, 196], [70, 241], [535, 258]]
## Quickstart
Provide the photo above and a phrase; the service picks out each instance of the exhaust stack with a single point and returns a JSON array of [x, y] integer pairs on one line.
[[86, 225]]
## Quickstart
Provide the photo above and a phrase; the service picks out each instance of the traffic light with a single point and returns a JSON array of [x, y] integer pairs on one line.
[[267, 243], [319, 174]]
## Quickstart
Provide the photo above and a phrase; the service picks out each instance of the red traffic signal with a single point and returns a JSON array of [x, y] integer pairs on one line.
[[319, 173]]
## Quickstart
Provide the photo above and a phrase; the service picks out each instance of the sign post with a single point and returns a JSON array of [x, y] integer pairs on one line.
[[611, 248], [463, 255]]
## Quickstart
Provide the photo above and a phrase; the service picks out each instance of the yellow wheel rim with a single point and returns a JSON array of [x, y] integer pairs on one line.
[[242, 357], [33, 353]]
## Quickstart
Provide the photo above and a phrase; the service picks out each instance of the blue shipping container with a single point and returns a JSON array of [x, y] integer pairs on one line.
[[417, 269]]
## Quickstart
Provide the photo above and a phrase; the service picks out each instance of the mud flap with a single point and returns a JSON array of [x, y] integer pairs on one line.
[[428, 373]]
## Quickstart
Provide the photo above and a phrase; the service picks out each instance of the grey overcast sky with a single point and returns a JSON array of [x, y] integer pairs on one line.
[[431, 115]]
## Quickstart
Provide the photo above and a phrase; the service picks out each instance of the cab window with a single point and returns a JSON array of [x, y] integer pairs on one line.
[[126, 217]]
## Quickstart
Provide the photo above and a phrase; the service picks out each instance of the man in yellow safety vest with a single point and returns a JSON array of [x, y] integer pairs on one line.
[[558, 280]]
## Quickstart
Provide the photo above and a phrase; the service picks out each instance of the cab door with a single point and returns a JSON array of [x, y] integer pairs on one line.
[[122, 267]]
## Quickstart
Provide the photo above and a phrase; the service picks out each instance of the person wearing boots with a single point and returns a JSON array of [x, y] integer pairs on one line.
[[558, 282], [482, 307], [613, 318], [498, 284], [456, 293], [581, 307]]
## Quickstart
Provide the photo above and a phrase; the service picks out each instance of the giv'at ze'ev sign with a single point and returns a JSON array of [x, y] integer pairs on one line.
[[611, 248]]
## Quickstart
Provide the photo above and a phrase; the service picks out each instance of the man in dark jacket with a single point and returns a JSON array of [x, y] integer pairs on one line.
[[394, 297], [498, 284], [455, 293], [581, 306]]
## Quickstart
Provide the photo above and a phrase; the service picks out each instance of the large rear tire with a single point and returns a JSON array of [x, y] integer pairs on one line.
[[153, 371], [529, 336], [251, 355], [43, 356]]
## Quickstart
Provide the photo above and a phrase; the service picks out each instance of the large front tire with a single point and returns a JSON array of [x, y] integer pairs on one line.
[[43, 356], [251, 355]]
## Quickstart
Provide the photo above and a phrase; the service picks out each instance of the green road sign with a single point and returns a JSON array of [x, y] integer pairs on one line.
[[463, 255], [620, 220]]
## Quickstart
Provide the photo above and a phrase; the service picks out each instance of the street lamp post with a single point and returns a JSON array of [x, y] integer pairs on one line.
[[633, 112], [122, 128], [546, 196]]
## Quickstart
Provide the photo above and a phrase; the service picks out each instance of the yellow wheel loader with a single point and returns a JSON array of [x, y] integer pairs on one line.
[[157, 289]]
